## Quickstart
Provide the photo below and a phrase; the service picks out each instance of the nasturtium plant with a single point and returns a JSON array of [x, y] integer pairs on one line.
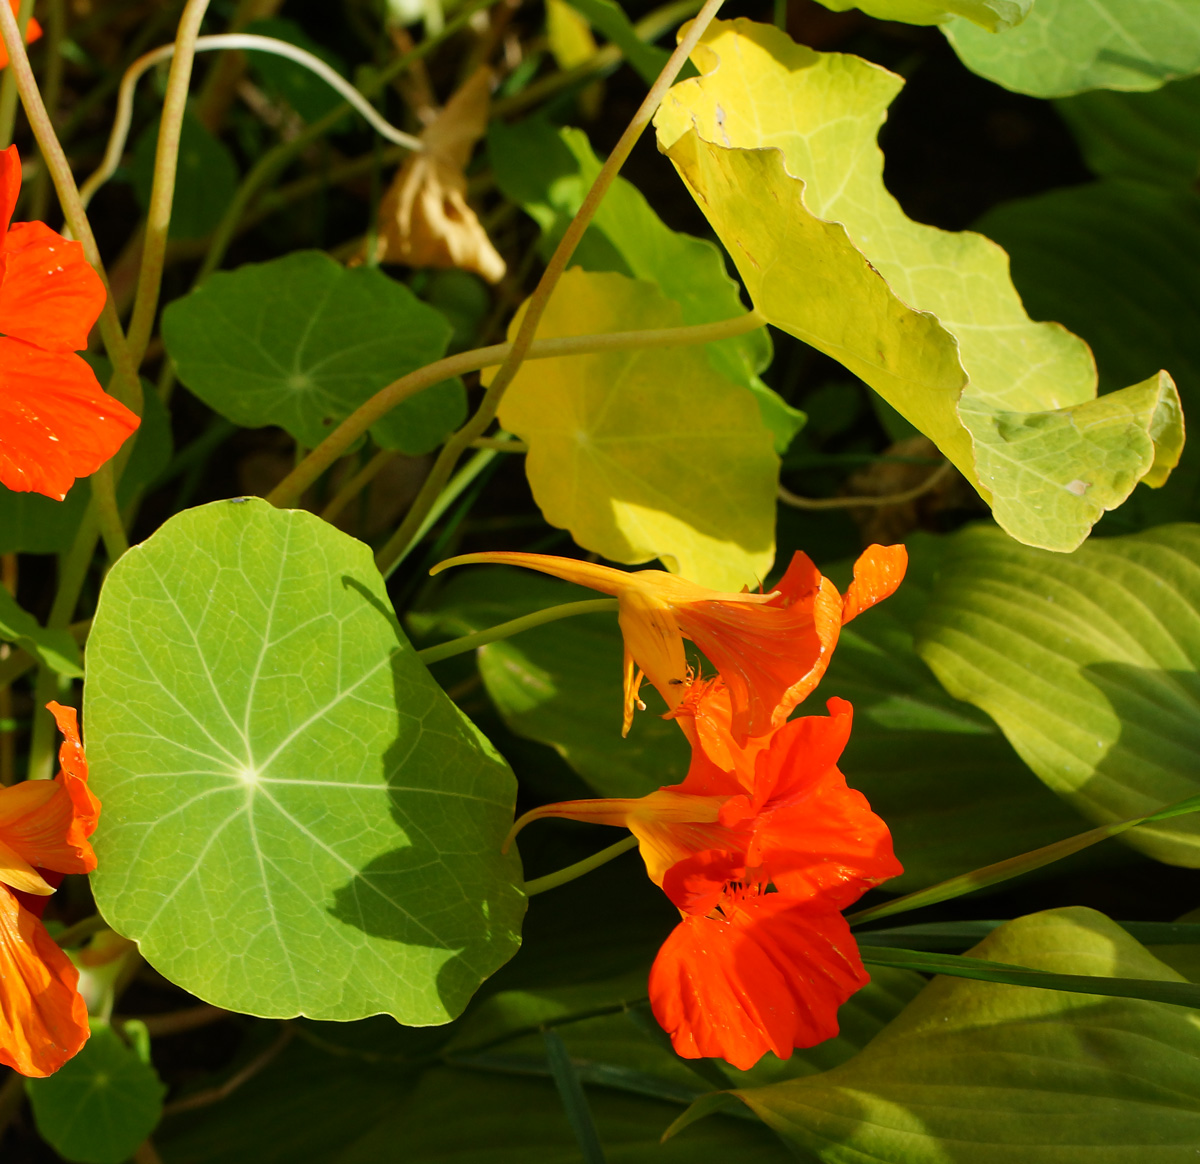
[[499, 623], [298, 821]]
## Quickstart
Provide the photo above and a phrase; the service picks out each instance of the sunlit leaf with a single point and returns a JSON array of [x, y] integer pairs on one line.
[[1067, 46], [1088, 663], [982, 1073], [296, 819], [1114, 260], [101, 1105], [302, 341], [649, 453], [776, 143], [993, 15], [550, 170], [1152, 137]]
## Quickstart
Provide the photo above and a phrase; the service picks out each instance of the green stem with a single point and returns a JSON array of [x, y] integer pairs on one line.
[[514, 626], [56, 31], [162, 193], [571, 872], [536, 305], [82, 930], [8, 86], [338, 443], [108, 512]]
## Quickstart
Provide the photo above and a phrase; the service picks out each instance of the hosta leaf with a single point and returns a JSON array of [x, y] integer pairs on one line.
[[1067, 46], [982, 1073], [1088, 663], [1152, 137], [549, 171], [560, 684], [649, 453], [952, 790], [776, 142], [993, 15], [1115, 262], [302, 341], [101, 1105], [296, 819]]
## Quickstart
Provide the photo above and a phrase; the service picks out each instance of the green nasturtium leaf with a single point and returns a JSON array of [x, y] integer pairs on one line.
[[100, 1106], [1068, 46], [33, 524], [1150, 137], [549, 171], [953, 791], [982, 1073], [1089, 663], [296, 819], [55, 648], [777, 144], [994, 15], [609, 18], [560, 684], [1114, 260], [205, 183], [648, 453], [302, 342]]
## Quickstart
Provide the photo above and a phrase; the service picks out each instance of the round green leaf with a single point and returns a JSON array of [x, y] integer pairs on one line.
[[99, 1106], [1088, 662], [993, 15], [296, 819], [302, 341]]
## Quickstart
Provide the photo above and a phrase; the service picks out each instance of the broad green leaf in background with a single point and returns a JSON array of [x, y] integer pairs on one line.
[[296, 819], [1067, 46], [516, 1121], [33, 524], [609, 18], [1151, 137], [827, 254], [994, 15], [953, 792], [305, 92], [548, 171], [302, 341], [648, 453], [1089, 664], [100, 1106], [55, 648], [206, 182], [1116, 261], [981, 1073], [560, 684]]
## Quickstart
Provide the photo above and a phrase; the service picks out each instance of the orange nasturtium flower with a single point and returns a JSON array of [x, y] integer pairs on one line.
[[56, 422], [44, 830], [760, 862], [770, 649], [33, 30]]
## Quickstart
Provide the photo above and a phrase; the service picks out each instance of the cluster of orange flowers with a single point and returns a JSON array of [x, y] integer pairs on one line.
[[763, 844]]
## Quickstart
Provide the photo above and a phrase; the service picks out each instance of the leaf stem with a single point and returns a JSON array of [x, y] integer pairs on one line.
[[288, 491], [536, 305], [571, 872], [108, 512], [514, 626], [75, 935], [8, 86], [162, 193], [797, 502]]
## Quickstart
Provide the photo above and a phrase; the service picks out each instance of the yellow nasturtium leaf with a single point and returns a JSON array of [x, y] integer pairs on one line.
[[649, 453], [777, 144]]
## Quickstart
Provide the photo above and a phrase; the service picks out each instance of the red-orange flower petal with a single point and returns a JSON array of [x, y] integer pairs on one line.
[[56, 423], [877, 573], [33, 30], [73, 771], [10, 180], [43, 1019], [762, 974], [50, 296]]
